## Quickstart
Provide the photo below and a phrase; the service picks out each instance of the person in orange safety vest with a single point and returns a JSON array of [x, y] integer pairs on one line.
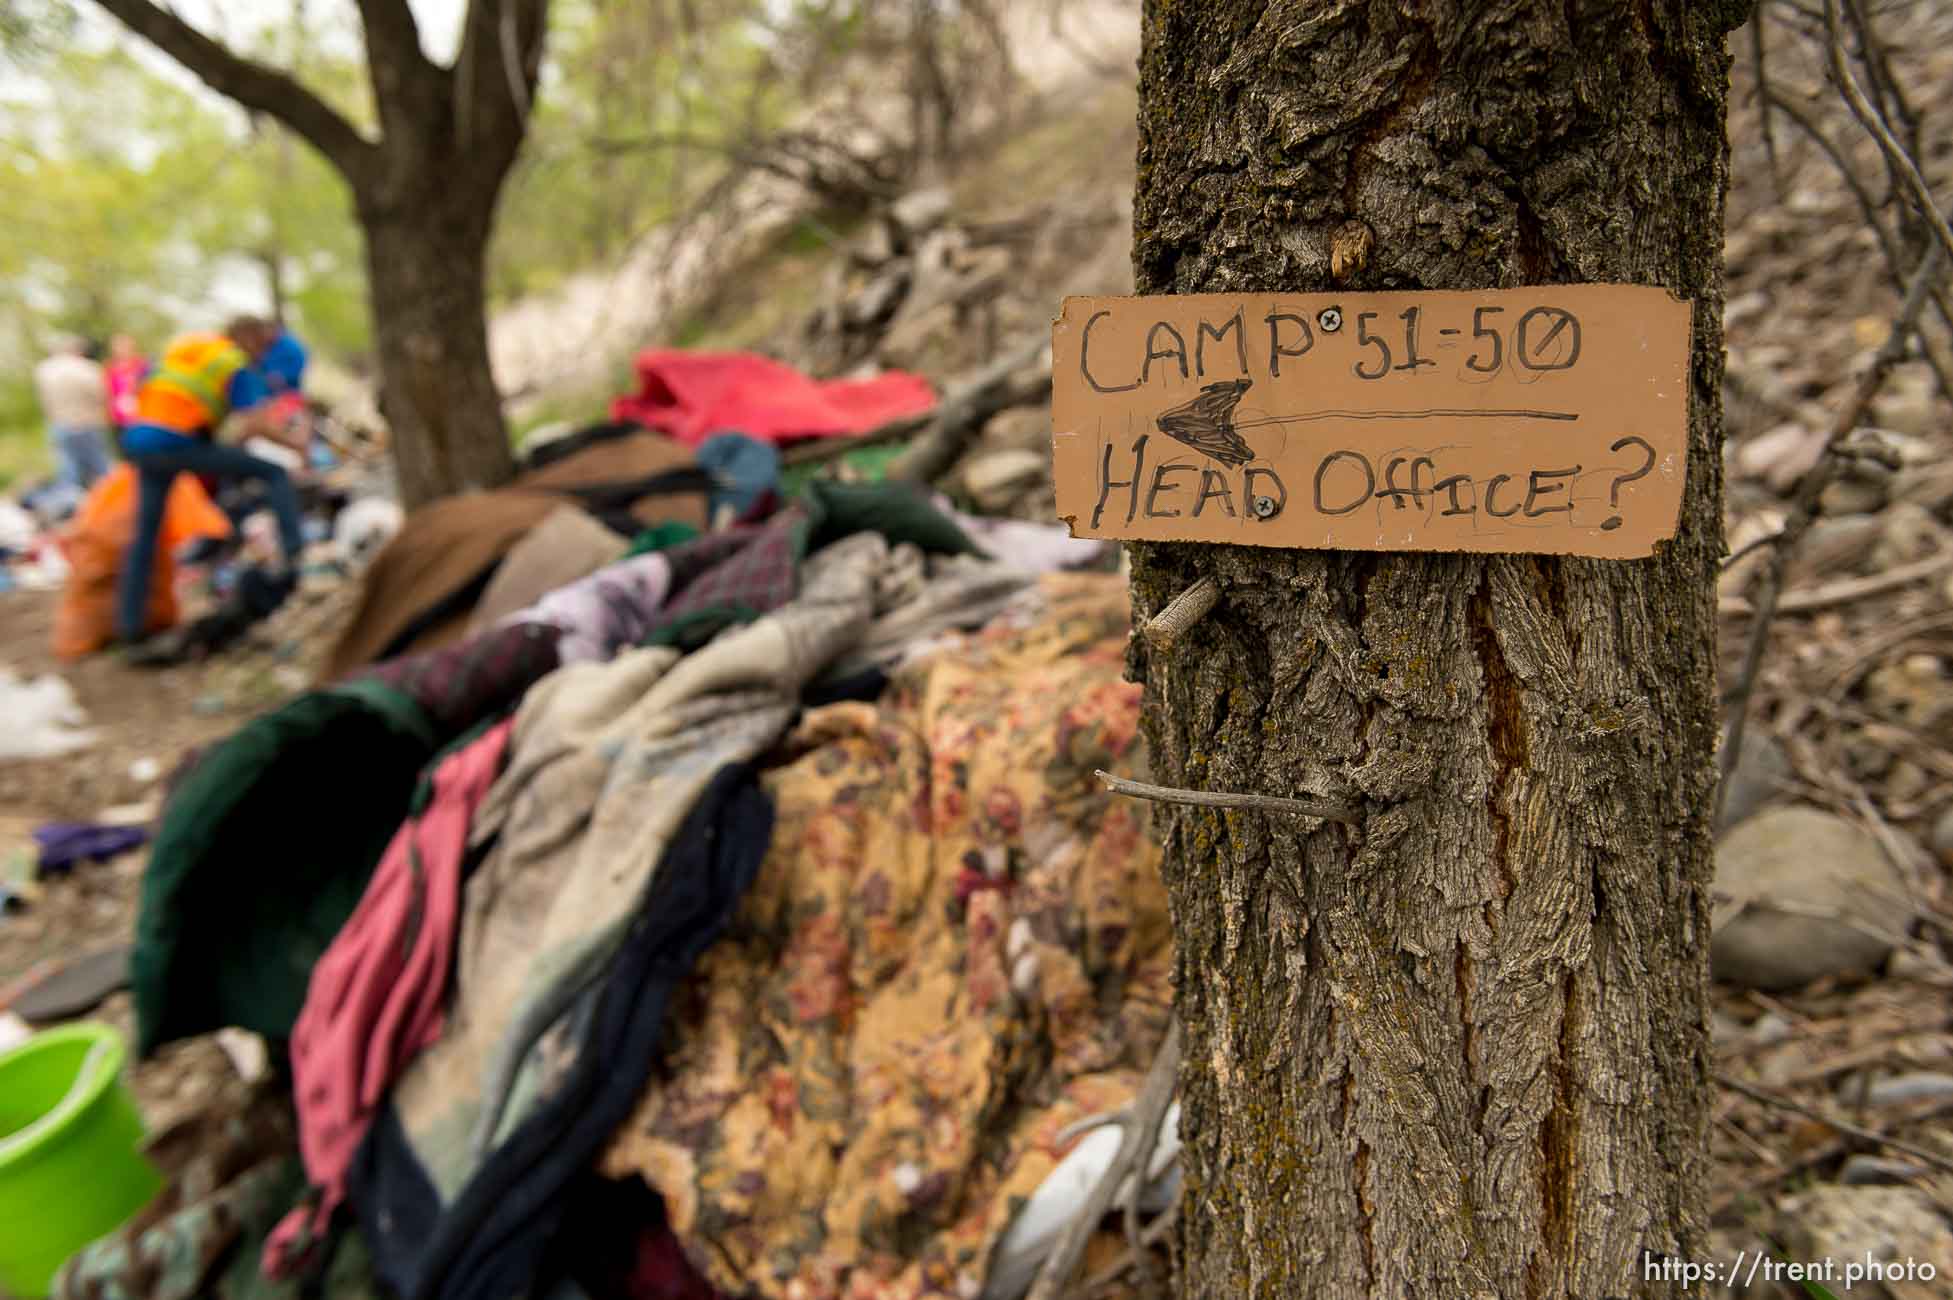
[[199, 382]]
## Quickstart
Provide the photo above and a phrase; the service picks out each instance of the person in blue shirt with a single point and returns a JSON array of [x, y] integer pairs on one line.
[[283, 364], [201, 380], [283, 367]]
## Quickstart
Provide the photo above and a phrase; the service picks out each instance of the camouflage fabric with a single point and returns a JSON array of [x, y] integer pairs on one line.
[[958, 944], [232, 1169]]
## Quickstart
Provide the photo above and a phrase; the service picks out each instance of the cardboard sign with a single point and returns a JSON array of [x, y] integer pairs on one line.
[[1550, 419]]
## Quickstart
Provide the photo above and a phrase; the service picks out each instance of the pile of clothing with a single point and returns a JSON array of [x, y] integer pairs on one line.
[[749, 893], [582, 501]]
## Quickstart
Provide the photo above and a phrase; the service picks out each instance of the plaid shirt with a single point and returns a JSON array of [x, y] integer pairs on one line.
[[459, 685], [730, 577]]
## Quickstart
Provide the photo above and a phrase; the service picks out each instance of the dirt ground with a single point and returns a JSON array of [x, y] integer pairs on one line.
[[147, 723]]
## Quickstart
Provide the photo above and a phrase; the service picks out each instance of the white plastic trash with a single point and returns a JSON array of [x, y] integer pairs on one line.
[[43, 718]]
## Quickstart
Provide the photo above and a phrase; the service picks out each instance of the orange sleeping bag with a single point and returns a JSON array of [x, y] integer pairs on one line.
[[94, 541]]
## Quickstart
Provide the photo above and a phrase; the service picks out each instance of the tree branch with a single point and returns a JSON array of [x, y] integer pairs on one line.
[[406, 83], [392, 21], [496, 72], [1874, 122], [1888, 246], [1806, 505], [251, 84]]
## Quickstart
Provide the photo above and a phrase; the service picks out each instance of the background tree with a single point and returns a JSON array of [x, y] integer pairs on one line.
[[622, 69], [1461, 1051], [281, 207], [425, 191], [87, 211], [28, 27]]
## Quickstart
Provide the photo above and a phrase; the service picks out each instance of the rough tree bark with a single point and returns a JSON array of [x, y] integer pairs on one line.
[[1461, 1049], [425, 190]]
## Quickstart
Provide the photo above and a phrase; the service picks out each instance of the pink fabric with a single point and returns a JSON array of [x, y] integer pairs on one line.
[[124, 377], [375, 997], [692, 395]]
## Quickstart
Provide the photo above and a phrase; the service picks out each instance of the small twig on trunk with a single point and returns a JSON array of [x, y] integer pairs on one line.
[[1272, 803], [1182, 612], [1805, 507], [1845, 1127]]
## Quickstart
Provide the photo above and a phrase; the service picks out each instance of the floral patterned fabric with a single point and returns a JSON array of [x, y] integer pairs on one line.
[[958, 944]]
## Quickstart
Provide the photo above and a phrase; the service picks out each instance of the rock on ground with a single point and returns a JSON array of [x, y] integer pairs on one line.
[[1760, 773], [1896, 1230], [1802, 894]]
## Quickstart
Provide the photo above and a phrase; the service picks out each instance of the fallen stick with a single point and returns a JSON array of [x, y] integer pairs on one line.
[[1845, 1127], [1014, 379], [1845, 590], [1140, 1127], [1155, 1230], [1810, 1159]]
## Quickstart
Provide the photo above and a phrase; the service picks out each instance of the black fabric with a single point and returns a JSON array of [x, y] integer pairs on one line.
[[864, 687], [493, 1242], [611, 498], [602, 1246], [451, 606], [262, 852], [261, 593], [610, 504], [571, 443], [256, 597]]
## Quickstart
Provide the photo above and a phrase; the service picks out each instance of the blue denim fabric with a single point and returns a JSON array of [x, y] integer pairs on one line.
[[156, 470], [81, 455]]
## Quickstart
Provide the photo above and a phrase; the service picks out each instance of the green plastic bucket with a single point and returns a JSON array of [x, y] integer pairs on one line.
[[70, 1167]]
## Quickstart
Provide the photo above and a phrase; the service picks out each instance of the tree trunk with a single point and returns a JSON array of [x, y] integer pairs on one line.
[[427, 265], [1460, 1051], [274, 283]]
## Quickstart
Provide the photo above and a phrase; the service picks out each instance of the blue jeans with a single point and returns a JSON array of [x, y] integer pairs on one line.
[[80, 455], [155, 471]]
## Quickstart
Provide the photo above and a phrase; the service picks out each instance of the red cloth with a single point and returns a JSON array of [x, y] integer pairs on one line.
[[662, 1272], [376, 995], [693, 395]]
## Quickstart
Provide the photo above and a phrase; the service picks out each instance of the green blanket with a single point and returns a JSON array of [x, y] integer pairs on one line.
[[263, 852]]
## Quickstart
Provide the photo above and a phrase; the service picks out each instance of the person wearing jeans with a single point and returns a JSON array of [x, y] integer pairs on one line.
[[74, 398], [201, 380]]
